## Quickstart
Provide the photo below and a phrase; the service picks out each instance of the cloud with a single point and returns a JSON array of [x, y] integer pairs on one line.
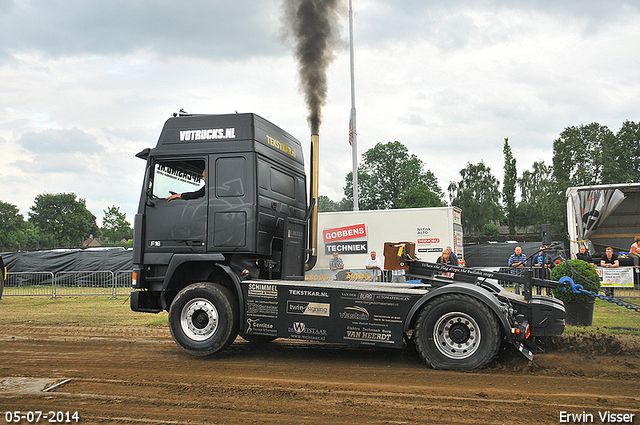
[[199, 28], [87, 84], [52, 141]]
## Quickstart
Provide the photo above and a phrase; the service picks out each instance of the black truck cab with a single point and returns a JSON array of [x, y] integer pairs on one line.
[[253, 187]]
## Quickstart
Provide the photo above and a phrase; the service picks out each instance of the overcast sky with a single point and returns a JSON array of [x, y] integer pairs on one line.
[[86, 84]]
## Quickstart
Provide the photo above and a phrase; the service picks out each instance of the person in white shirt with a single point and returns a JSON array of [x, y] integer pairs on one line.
[[374, 264]]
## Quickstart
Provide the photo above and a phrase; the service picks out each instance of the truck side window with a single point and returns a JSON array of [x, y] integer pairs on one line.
[[230, 177], [283, 183], [177, 177]]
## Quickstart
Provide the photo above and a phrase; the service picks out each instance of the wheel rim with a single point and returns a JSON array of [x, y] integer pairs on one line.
[[199, 319], [456, 335]]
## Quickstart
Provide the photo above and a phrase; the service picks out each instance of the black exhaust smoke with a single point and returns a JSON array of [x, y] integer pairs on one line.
[[313, 27]]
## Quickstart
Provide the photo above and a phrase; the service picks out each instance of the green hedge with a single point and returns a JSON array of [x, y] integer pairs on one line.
[[583, 274]]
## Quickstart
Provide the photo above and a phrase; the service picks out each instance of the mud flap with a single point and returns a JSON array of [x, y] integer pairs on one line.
[[524, 350]]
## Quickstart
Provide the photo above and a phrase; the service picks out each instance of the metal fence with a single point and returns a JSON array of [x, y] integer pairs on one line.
[[630, 291], [76, 283], [114, 284]]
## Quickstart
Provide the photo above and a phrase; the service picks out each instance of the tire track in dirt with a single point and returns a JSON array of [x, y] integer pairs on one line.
[[122, 375]]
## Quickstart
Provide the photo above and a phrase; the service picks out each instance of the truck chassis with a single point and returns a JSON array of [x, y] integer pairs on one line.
[[454, 323]]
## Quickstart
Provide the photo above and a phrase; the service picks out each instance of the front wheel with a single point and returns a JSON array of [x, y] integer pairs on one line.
[[203, 318], [457, 331]]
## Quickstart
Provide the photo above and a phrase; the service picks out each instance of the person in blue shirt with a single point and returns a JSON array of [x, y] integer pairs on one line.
[[517, 259], [453, 257], [545, 262]]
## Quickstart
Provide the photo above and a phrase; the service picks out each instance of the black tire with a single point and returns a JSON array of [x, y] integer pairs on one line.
[[257, 339], [457, 332], [203, 318]]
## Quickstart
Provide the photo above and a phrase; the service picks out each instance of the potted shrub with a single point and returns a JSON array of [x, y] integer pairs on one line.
[[579, 307]]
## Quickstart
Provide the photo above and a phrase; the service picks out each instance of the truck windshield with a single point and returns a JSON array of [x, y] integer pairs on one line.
[[177, 177]]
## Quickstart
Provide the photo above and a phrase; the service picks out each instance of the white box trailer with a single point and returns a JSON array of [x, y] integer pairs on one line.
[[603, 215], [354, 234]]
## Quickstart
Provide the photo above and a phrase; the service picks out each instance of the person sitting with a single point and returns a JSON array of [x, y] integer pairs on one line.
[[610, 259], [634, 252], [584, 255], [189, 195]]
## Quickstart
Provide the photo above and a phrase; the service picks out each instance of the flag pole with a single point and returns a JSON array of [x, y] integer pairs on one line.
[[352, 130]]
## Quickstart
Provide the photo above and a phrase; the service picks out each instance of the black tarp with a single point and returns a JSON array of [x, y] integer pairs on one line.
[[475, 255], [68, 260], [497, 254]]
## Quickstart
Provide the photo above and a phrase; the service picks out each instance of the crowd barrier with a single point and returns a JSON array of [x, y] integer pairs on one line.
[[76, 283], [114, 284], [627, 287]]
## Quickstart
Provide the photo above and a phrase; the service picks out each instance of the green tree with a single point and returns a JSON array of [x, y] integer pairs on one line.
[[325, 204], [387, 172], [509, 186], [115, 226], [626, 154], [583, 156], [477, 195], [490, 230], [12, 228], [419, 196], [540, 202], [61, 220]]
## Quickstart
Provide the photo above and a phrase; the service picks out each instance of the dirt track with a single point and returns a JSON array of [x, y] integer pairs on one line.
[[139, 375]]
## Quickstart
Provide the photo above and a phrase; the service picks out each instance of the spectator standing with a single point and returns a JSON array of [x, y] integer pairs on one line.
[[3, 275], [517, 259], [453, 256], [445, 258], [545, 262], [374, 264], [336, 262]]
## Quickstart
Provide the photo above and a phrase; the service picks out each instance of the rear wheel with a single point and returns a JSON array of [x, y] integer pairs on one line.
[[457, 331], [203, 318]]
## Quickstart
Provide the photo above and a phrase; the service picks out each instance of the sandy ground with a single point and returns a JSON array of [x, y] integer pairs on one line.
[[139, 375]]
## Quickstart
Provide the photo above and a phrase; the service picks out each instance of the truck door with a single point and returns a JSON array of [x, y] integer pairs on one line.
[[232, 201], [178, 225]]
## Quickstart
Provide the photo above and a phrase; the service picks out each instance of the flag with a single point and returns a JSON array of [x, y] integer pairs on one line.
[[351, 128]]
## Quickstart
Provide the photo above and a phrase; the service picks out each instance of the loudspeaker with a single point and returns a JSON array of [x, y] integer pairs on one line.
[[546, 234]]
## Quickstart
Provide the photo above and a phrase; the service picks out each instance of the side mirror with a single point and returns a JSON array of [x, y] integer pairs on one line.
[[143, 154]]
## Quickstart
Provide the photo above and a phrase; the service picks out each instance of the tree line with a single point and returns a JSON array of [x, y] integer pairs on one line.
[[58, 221], [390, 177]]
